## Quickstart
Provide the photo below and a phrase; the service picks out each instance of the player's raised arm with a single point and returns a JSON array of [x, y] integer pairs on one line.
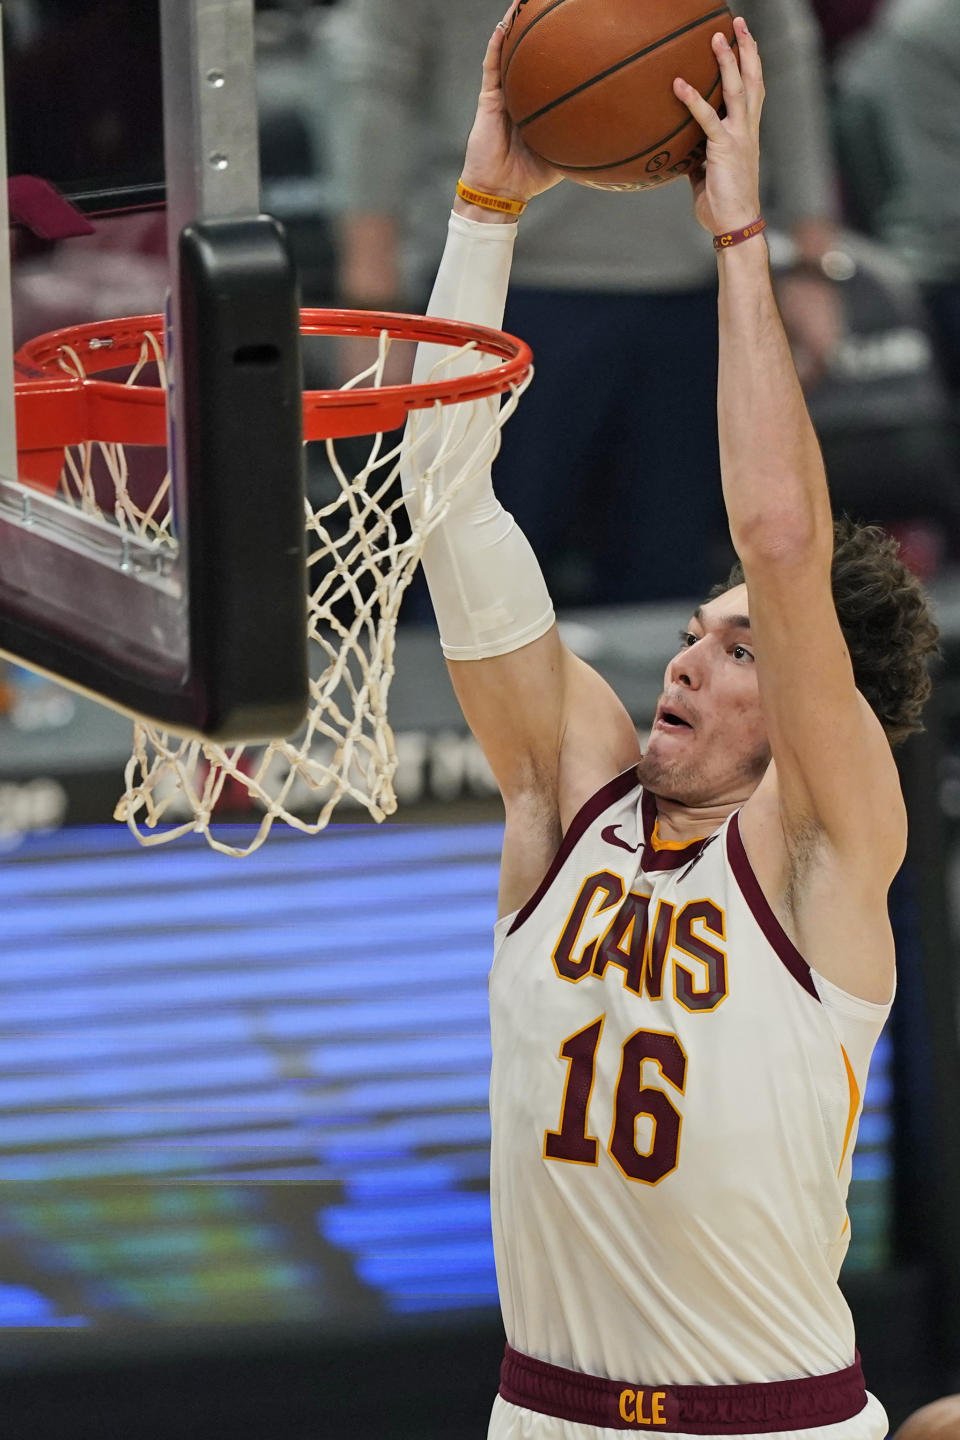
[[835, 776], [551, 729]]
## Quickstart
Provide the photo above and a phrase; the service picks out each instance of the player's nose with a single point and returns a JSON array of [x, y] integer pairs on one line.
[[685, 669]]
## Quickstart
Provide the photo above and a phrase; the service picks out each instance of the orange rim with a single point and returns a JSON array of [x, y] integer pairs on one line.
[[56, 410]]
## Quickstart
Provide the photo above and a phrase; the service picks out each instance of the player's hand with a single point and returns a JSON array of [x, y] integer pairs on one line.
[[497, 160], [726, 187]]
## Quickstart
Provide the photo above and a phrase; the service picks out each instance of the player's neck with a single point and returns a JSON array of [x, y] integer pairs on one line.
[[677, 823]]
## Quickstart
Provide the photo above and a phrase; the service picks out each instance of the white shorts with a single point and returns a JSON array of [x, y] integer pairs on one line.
[[510, 1422]]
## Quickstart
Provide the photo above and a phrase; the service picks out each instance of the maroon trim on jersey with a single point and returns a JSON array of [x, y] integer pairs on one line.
[[593, 808], [802, 1404], [762, 912], [655, 858]]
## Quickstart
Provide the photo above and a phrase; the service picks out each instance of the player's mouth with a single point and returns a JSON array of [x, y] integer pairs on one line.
[[669, 720]]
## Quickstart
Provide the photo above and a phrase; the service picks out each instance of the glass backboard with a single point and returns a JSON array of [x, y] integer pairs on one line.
[[139, 194], [100, 145]]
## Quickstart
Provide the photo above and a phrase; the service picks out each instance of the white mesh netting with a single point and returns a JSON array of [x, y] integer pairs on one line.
[[362, 554]]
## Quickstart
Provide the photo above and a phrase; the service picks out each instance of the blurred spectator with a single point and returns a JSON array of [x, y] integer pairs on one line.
[[839, 19], [121, 269], [899, 105], [613, 451], [881, 410], [939, 1421], [293, 94]]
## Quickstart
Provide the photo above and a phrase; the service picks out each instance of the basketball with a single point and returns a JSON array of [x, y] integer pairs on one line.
[[589, 83]]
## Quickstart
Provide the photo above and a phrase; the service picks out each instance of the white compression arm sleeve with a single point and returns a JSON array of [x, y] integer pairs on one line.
[[487, 588]]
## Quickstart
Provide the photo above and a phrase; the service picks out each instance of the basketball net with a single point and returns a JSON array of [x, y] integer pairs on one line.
[[360, 562]]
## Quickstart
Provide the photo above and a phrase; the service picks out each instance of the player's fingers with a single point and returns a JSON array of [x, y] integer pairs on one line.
[[491, 61], [701, 110], [734, 89], [751, 67]]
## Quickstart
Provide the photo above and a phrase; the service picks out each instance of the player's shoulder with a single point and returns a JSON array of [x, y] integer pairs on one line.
[[537, 847], [616, 804], [585, 798]]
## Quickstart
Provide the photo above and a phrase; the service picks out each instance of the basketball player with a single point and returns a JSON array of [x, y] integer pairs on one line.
[[693, 957]]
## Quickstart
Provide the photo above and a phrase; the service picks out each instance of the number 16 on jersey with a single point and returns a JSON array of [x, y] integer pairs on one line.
[[572, 1141]]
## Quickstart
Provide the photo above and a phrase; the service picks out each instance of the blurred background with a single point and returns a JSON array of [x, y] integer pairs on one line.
[[243, 1128]]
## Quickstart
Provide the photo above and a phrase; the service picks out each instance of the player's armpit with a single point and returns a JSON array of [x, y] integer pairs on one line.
[[531, 839], [835, 769]]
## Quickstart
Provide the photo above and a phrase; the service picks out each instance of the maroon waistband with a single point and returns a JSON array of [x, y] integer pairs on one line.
[[686, 1409]]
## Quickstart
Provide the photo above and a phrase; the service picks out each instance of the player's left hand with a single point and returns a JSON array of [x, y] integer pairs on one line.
[[726, 187], [497, 159]]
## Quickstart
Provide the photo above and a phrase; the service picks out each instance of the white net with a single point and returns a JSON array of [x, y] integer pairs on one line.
[[362, 554], [147, 516]]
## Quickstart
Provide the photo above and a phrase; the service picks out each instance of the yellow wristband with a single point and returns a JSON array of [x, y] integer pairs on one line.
[[490, 202]]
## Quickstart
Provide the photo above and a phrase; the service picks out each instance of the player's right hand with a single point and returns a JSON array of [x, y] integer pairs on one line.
[[498, 161]]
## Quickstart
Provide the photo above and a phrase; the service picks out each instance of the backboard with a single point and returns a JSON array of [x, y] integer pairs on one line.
[[101, 145], [129, 176]]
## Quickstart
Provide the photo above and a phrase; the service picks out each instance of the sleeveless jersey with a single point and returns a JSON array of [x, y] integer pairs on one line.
[[674, 1104]]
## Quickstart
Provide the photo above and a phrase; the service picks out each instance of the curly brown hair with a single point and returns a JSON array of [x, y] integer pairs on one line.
[[886, 620]]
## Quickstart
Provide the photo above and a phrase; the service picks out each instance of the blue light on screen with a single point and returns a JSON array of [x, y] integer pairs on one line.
[[257, 1091]]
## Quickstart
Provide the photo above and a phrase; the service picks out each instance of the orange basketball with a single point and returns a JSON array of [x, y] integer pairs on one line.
[[590, 84]]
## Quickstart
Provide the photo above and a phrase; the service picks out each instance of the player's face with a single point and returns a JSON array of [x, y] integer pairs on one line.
[[708, 743]]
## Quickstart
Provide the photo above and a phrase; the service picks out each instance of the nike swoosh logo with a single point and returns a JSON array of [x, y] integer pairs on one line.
[[612, 838]]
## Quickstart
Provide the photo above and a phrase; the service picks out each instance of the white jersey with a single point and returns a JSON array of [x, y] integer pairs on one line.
[[674, 1103]]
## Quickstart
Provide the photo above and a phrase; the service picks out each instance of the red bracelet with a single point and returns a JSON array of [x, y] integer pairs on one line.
[[737, 237]]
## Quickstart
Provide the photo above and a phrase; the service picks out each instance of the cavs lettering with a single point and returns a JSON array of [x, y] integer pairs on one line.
[[611, 926]]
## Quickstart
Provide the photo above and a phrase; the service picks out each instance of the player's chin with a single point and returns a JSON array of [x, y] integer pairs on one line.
[[661, 772]]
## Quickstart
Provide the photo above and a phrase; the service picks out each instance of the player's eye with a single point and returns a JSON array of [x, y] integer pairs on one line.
[[739, 652], [686, 639]]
